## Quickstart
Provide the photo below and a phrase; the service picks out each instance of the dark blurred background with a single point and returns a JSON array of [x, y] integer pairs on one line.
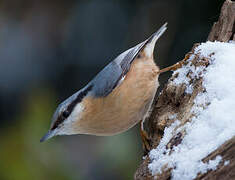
[[51, 49]]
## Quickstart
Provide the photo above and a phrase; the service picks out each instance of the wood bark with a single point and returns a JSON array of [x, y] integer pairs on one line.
[[174, 100]]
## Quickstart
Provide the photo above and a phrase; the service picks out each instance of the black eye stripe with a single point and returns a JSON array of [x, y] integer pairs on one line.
[[70, 107], [78, 99], [57, 122]]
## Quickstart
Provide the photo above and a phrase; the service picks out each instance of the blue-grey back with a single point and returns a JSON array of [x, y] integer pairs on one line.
[[106, 80]]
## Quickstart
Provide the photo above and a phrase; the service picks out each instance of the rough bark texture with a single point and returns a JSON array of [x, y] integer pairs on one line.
[[223, 30], [174, 100]]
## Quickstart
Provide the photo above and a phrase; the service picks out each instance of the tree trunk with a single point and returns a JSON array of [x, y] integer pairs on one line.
[[174, 100]]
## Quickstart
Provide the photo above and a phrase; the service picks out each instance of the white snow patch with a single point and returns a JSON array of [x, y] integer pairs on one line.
[[188, 70], [172, 116], [226, 163], [212, 125]]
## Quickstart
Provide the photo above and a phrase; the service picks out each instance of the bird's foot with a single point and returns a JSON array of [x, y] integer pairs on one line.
[[145, 141], [176, 66]]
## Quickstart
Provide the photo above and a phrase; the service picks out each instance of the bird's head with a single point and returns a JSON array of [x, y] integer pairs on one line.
[[66, 114]]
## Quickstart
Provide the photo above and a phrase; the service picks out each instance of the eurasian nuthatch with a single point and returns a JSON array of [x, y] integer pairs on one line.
[[118, 97]]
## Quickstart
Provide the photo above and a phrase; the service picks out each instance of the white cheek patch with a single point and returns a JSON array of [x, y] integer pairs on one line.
[[68, 125], [76, 113]]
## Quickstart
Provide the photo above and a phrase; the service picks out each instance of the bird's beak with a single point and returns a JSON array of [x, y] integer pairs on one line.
[[151, 41], [48, 135]]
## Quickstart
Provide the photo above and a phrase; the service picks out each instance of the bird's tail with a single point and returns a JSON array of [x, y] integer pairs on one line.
[[151, 41], [155, 36]]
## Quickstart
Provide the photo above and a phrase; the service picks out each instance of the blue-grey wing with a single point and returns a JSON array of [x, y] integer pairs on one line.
[[111, 75], [106, 80]]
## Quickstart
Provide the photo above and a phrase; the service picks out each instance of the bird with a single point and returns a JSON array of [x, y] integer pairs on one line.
[[116, 99]]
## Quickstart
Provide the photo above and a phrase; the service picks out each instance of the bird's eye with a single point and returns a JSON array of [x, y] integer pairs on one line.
[[65, 114]]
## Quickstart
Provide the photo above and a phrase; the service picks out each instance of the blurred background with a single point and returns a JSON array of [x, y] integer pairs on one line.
[[51, 49]]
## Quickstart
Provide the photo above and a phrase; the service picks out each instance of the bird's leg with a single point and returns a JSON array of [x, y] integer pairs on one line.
[[145, 138], [175, 66]]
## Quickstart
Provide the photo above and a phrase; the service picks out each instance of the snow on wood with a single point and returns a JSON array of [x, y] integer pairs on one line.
[[213, 121]]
